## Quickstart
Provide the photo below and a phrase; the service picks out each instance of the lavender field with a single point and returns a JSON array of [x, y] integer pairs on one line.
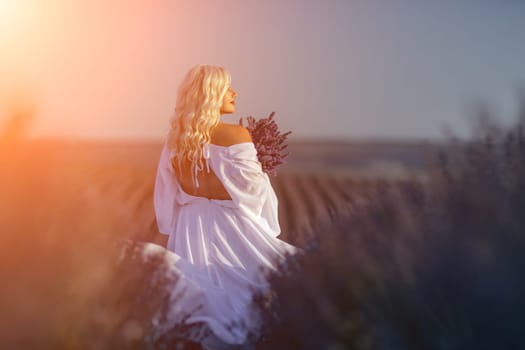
[[62, 200], [316, 181], [381, 226]]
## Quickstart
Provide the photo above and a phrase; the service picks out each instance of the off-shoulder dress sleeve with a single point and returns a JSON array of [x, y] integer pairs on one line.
[[166, 194], [248, 185]]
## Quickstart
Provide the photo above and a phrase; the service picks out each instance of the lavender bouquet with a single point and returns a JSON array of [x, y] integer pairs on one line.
[[269, 142]]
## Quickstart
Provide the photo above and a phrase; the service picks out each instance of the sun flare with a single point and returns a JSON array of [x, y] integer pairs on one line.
[[10, 19], [7, 8]]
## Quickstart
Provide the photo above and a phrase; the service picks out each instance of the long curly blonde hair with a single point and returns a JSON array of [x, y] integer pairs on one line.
[[197, 112]]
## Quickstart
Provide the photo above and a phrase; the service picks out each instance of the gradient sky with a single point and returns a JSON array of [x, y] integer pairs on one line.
[[339, 69]]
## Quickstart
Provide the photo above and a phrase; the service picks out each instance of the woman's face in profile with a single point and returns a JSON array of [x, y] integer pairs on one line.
[[228, 102]]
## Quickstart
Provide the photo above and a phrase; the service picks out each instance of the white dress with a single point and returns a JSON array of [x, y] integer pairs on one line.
[[220, 248]]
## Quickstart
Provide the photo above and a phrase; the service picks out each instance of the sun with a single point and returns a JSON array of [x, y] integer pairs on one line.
[[6, 9], [8, 12], [14, 11], [18, 33], [17, 19]]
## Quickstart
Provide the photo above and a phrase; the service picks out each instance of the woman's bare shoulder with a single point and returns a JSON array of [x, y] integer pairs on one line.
[[230, 134]]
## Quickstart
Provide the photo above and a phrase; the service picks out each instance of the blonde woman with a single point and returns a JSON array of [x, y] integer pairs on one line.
[[219, 209]]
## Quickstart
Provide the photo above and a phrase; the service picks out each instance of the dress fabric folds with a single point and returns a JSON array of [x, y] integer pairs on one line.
[[220, 249]]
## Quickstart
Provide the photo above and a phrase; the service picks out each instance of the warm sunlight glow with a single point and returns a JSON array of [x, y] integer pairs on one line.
[[19, 21], [20, 29], [4, 6], [7, 10], [13, 17]]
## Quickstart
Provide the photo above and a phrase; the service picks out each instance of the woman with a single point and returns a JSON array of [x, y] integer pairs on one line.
[[219, 209]]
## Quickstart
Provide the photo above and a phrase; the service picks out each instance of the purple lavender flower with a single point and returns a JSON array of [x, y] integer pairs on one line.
[[269, 142]]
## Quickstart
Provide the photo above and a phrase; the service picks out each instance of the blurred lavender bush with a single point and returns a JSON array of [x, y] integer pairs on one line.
[[417, 265], [70, 280]]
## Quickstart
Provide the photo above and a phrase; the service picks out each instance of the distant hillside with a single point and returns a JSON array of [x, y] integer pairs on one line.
[[359, 158], [372, 158]]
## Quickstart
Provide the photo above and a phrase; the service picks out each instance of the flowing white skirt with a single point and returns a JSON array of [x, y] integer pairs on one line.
[[222, 258]]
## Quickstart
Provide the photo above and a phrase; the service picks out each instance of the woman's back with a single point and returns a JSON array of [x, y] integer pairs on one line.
[[223, 233], [210, 186], [220, 247]]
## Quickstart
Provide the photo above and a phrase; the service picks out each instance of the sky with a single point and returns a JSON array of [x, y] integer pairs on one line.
[[333, 69]]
